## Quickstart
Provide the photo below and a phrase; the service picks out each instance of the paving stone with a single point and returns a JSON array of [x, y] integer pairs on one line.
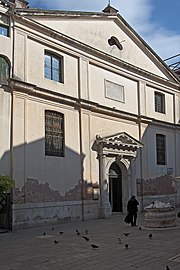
[[32, 250]]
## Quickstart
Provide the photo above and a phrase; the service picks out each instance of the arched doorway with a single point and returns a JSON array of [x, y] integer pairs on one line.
[[115, 187]]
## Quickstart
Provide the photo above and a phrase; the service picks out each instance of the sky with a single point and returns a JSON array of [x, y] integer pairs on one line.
[[156, 21]]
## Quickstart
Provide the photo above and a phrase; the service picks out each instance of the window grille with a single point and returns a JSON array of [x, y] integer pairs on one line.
[[54, 134], [161, 149]]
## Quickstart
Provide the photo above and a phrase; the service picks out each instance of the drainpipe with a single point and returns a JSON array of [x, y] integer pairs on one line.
[[11, 128], [140, 150], [175, 143], [80, 139], [100, 156]]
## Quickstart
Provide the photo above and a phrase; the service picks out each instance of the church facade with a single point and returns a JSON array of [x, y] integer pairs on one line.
[[89, 113]]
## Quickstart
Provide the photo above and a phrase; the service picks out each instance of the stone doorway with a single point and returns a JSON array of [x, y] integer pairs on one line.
[[115, 188]]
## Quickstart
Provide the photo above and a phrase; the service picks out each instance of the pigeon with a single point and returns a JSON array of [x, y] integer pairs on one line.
[[140, 228], [94, 246], [126, 234], [78, 233], [150, 235], [119, 240], [126, 246], [56, 242], [86, 238], [44, 233], [61, 232]]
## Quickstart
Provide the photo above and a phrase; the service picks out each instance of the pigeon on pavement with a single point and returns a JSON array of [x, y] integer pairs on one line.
[[78, 233], [150, 235], [94, 246], [56, 242], [85, 237], [126, 246], [126, 234]]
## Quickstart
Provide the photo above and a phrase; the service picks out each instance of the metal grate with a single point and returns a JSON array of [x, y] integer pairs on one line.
[[161, 149], [54, 134]]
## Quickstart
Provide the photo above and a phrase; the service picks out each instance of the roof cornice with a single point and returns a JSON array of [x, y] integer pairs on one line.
[[98, 53], [115, 16]]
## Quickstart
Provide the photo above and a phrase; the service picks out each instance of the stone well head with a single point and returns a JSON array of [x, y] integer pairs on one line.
[[160, 215]]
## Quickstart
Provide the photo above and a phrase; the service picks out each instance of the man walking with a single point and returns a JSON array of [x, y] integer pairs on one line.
[[132, 208]]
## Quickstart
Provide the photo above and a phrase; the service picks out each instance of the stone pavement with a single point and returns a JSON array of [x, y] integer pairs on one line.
[[30, 249]]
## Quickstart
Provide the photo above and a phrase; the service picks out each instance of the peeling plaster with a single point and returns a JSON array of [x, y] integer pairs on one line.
[[157, 186], [35, 192]]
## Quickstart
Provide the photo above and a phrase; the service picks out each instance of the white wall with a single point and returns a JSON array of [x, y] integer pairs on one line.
[[97, 77], [168, 116], [62, 173], [5, 109], [96, 32], [29, 66]]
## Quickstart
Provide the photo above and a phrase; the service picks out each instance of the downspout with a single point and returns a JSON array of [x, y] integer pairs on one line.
[[140, 149], [80, 139], [11, 128], [100, 153], [175, 143]]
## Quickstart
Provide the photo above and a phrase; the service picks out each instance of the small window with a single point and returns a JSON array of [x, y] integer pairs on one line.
[[54, 134], [53, 67], [4, 25], [161, 149], [159, 102], [4, 70]]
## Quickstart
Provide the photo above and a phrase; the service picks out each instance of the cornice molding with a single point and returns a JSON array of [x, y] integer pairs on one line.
[[84, 48], [93, 107]]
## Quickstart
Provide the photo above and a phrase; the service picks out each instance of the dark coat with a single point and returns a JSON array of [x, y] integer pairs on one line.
[[132, 205]]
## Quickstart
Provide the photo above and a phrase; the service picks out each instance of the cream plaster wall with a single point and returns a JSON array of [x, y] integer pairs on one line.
[[5, 118], [168, 116], [97, 91], [5, 108], [29, 66], [150, 168], [5, 46], [62, 173], [96, 31]]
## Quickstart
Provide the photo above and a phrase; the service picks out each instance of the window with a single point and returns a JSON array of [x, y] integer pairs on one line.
[[161, 149], [4, 25], [54, 134], [159, 102], [4, 70], [53, 67]]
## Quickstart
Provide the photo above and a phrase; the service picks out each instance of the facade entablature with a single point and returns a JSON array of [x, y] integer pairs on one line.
[[40, 33]]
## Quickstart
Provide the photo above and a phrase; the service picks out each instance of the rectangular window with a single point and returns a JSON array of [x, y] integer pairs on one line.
[[159, 102], [53, 67], [161, 149], [114, 91], [54, 134], [4, 25]]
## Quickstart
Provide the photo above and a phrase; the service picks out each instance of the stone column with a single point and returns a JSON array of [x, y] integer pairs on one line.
[[105, 207]]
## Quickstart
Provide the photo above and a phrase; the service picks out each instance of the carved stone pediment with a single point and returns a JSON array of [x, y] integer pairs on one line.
[[119, 144]]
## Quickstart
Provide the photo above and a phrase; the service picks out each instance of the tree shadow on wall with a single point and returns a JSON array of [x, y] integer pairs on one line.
[[41, 178]]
